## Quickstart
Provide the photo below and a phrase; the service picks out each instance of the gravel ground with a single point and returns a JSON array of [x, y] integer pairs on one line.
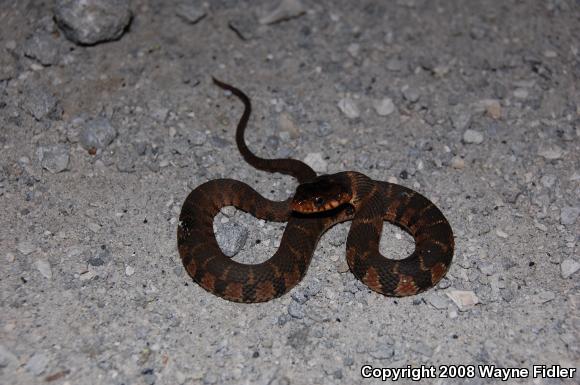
[[109, 119]]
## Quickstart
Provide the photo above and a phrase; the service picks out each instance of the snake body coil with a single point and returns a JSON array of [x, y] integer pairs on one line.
[[319, 203]]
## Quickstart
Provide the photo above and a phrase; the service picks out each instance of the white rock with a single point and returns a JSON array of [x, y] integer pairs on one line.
[[353, 49], [384, 106], [568, 215], [10, 257], [94, 227], [521, 93], [464, 299], [37, 364], [457, 163], [569, 267], [287, 9], [551, 153], [26, 247], [349, 108], [500, 233], [437, 301], [315, 160], [129, 270], [472, 136], [6, 357], [44, 268]]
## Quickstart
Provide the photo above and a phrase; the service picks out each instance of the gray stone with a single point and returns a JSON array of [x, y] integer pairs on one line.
[[43, 48], [473, 137], [286, 9], [568, 215], [568, 267], [26, 247], [126, 161], [422, 348], [384, 106], [551, 152], [411, 94], [89, 22], [395, 64], [548, 180], [197, 138], [383, 352], [54, 158], [98, 133], [6, 357], [231, 237], [437, 301], [323, 128], [43, 267], [464, 300], [315, 160], [460, 119], [190, 12], [349, 108], [37, 364], [296, 310], [40, 103]]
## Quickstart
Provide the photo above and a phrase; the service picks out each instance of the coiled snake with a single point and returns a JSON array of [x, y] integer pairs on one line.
[[319, 203]]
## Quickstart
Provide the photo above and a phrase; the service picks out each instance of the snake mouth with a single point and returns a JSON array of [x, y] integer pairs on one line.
[[311, 207]]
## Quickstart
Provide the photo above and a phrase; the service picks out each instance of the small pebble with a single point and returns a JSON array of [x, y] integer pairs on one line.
[[44, 268], [54, 158], [94, 227], [521, 93], [384, 106], [37, 364], [89, 22], [26, 247], [10, 257], [323, 128], [231, 237], [457, 163], [493, 108], [286, 9], [190, 12], [551, 153], [40, 103], [98, 133], [545, 296], [437, 301], [315, 160], [286, 124], [296, 310], [353, 49], [568, 215], [228, 211], [42, 47], [349, 108], [568, 267], [548, 180], [464, 300], [342, 266], [130, 270], [472, 136], [460, 119], [383, 352], [500, 233], [540, 226], [6, 357], [411, 94]]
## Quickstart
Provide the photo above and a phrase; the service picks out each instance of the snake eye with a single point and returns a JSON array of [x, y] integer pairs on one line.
[[318, 201]]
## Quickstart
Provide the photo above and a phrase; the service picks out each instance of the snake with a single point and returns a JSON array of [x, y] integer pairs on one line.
[[319, 202]]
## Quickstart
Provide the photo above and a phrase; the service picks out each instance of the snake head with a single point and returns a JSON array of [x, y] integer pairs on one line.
[[324, 193]]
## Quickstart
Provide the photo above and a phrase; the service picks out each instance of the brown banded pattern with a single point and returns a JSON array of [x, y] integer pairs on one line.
[[371, 203]]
